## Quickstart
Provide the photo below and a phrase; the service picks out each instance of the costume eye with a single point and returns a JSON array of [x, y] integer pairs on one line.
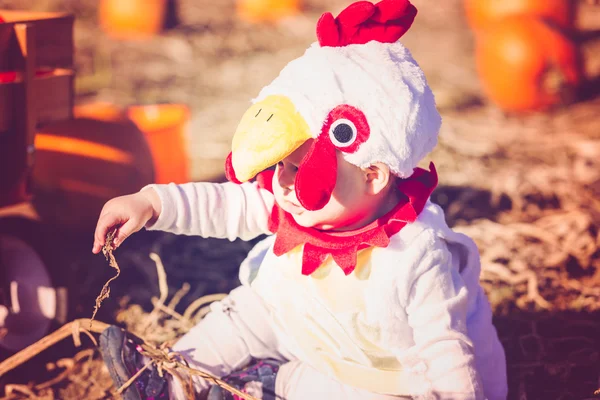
[[343, 133]]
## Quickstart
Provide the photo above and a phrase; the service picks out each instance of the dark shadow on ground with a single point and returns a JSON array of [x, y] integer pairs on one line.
[[465, 204], [553, 355]]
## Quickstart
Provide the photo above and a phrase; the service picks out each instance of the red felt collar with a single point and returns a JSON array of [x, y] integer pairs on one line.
[[344, 246]]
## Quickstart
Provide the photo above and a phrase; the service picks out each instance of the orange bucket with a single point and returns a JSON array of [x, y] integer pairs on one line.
[[164, 128]]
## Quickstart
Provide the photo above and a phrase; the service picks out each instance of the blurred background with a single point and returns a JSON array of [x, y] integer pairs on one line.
[[130, 92]]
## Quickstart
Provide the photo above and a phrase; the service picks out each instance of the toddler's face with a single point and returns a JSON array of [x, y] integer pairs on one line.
[[350, 202]]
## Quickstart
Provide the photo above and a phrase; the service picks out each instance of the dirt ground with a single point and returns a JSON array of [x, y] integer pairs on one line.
[[524, 187]]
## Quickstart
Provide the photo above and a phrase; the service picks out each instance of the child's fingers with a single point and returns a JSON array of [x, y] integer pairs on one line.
[[105, 222], [3, 314], [124, 231]]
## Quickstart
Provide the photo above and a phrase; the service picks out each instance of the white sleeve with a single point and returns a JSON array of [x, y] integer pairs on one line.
[[219, 210], [437, 313]]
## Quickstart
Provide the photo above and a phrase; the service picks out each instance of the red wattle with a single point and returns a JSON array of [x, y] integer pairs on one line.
[[229, 171], [317, 174]]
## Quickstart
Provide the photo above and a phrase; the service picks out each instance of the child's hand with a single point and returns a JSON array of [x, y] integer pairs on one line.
[[128, 214]]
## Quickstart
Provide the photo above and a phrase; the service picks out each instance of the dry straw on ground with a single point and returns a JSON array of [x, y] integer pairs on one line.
[[85, 376], [107, 250]]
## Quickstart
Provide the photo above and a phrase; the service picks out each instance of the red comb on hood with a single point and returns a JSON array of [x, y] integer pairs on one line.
[[364, 21]]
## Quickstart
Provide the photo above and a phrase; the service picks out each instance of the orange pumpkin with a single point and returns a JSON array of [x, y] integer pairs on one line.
[[267, 10], [132, 19], [525, 65], [480, 13], [82, 163], [102, 111]]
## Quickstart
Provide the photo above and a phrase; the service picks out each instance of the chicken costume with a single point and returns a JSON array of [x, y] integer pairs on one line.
[[392, 309]]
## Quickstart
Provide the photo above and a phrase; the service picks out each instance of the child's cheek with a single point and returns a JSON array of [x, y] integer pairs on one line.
[[277, 191]]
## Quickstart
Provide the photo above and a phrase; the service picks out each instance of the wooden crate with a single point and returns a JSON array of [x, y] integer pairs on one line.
[[36, 49], [53, 40], [52, 99]]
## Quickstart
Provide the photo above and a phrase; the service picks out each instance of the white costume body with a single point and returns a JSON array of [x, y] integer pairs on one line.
[[411, 319]]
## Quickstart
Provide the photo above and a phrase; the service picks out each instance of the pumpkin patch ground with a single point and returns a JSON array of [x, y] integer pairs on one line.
[[525, 187]]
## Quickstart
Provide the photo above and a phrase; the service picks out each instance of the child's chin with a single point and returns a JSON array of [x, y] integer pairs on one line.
[[304, 221]]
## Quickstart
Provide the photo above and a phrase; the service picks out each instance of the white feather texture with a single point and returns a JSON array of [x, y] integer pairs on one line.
[[383, 81]]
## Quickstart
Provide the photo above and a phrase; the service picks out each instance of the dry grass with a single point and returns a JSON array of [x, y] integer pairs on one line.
[[86, 376], [107, 250]]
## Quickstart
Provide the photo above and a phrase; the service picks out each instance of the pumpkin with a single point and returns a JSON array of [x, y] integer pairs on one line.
[[525, 65], [82, 163], [1, 19], [480, 13], [132, 19], [163, 126], [267, 10], [102, 111]]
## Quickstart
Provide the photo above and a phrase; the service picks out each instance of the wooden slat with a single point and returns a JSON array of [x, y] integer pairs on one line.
[[52, 94], [23, 16], [6, 104], [53, 40], [13, 158], [54, 97], [25, 33]]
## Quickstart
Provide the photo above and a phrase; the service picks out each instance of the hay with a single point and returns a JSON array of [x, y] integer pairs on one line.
[[107, 250], [82, 376], [85, 375], [526, 190]]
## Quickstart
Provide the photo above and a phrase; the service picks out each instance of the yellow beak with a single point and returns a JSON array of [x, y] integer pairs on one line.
[[269, 131]]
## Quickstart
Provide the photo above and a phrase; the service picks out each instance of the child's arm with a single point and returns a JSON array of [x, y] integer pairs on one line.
[[437, 312], [224, 210]]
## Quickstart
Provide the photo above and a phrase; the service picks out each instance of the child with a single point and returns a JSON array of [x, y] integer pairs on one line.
[[362, 291]]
